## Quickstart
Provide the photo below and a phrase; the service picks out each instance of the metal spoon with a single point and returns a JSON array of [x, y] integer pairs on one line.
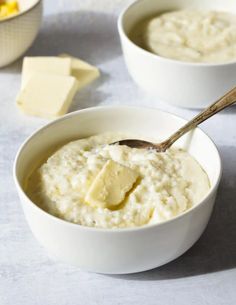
[[228, 99]]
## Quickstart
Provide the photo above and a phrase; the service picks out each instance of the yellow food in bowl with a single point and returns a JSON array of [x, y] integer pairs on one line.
[[8, 8]]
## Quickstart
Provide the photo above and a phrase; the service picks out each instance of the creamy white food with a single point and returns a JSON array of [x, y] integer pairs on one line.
[[190, 35], [169, 183]]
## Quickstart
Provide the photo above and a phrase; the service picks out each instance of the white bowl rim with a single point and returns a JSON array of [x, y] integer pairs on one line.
[[31, 7], [111, 230], [155, 56]]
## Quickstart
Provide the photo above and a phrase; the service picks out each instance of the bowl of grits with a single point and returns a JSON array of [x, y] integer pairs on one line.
[[96, 205], [182, 52]]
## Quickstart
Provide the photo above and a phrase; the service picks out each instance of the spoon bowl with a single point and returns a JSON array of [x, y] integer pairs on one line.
[[134, 143]]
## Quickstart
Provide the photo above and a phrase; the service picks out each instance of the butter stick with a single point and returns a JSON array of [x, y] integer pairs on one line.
[[47, 95]]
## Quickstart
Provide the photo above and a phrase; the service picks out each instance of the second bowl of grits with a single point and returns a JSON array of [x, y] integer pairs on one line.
[[185, 53], [110, 208]]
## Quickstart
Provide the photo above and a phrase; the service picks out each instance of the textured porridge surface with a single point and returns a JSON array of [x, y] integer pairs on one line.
[[190, 35], [169, 183]]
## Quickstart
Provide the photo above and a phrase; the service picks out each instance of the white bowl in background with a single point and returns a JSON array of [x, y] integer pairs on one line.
[[117, 251], [184, 84], [18, 32]]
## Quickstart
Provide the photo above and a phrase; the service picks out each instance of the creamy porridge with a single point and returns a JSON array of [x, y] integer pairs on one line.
[[162, 185], [189, 35]]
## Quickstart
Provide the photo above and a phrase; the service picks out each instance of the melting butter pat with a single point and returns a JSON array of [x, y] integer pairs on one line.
[[47, 95], [82, 71], [111, 185], [47, 65]]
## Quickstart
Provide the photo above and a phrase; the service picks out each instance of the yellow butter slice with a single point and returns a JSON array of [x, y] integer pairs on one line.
[[46, 65], [82, 71], [111, 185], [47, 95]]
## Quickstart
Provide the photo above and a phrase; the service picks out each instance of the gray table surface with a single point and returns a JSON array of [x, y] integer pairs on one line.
[[206, 274]]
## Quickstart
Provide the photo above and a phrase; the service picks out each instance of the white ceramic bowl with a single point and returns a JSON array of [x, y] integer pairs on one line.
[[18, 32], [192, 85], [117, 251]]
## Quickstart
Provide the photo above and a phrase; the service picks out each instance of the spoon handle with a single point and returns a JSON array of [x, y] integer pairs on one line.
[[228, 99]]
